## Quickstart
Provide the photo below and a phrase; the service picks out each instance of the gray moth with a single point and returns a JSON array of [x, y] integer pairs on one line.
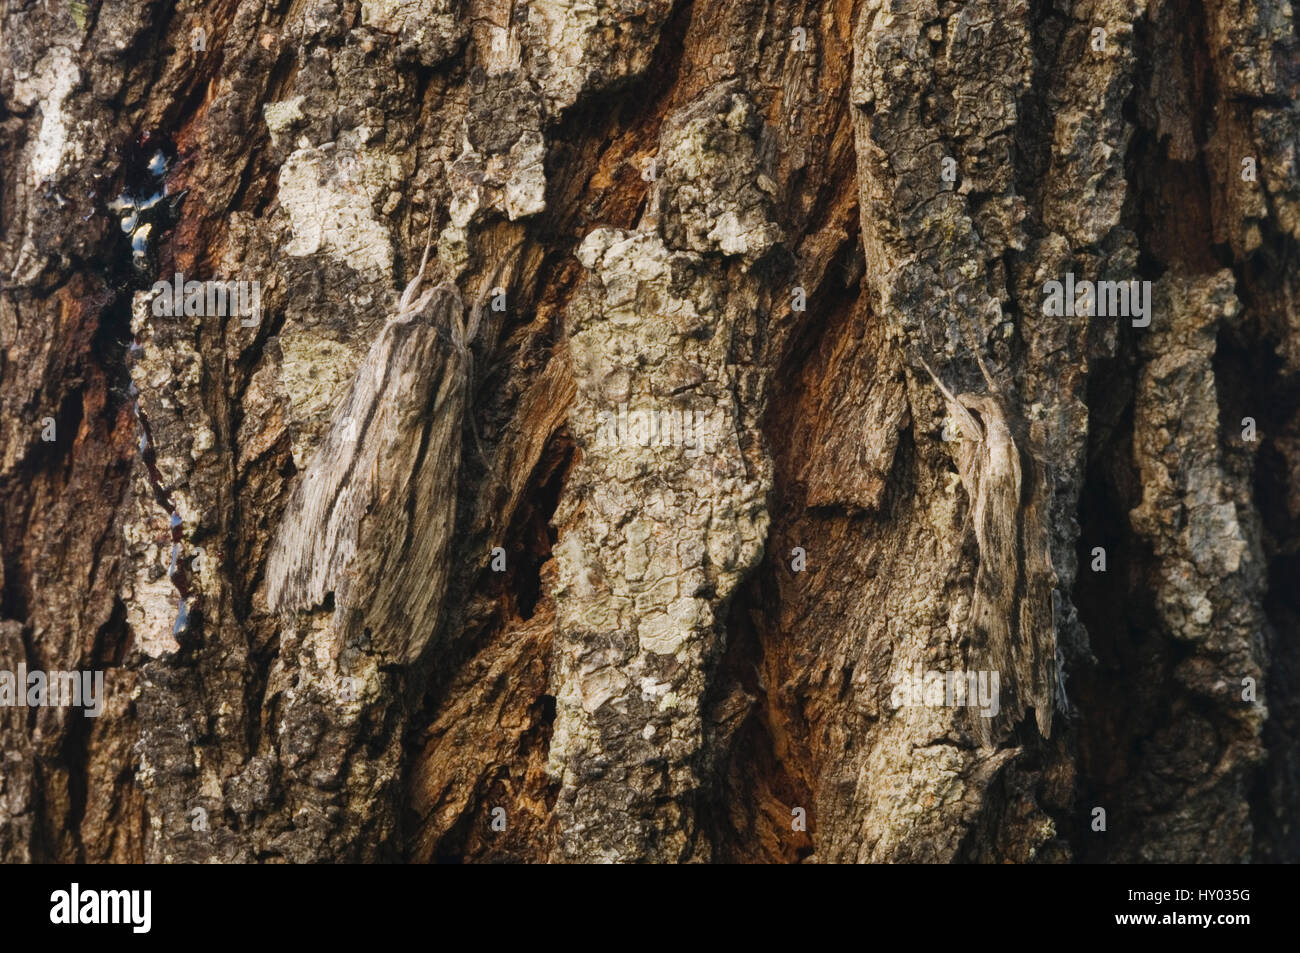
[[1012, 608], [372, 516]]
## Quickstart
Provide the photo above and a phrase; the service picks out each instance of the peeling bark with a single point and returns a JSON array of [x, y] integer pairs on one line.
[[666, 534]]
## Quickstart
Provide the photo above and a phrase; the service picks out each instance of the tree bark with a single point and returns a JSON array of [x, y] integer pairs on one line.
[[739, 407]]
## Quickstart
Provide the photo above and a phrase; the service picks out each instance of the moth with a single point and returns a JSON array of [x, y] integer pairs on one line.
[[1011, 610], [372, 518]]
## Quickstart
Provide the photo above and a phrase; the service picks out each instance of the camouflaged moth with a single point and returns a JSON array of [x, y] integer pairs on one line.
[[372, 516], [1011, 610]]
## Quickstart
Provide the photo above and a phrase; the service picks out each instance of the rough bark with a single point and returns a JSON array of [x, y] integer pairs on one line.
[[534, 635]]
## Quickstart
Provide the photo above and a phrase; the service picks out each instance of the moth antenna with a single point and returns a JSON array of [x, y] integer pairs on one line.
[[969, 428], [428, 242], [948, 395], [984, 369], [965, 419], [404, 306]]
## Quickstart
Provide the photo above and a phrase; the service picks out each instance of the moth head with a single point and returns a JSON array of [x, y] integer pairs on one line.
[[973, 412], [984, 409], [431, 303]]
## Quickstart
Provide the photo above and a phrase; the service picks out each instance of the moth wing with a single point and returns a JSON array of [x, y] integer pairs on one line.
[[1037, 671], [316, 540], [995, 514], [402, 564]]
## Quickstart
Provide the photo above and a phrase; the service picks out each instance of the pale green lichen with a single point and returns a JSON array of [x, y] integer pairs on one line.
[[655, 536], [281, 117], [334, 214], [576, 47]]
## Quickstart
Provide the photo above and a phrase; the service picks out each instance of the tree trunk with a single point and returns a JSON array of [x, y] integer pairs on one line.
[[743, 430]]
